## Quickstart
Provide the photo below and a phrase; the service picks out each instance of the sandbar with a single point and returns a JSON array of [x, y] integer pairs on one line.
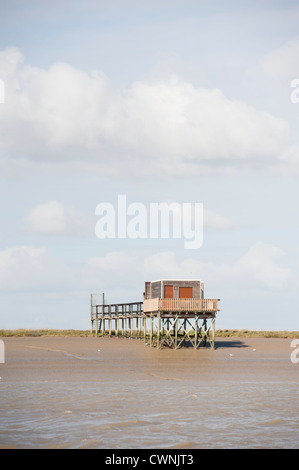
[[91, 359]]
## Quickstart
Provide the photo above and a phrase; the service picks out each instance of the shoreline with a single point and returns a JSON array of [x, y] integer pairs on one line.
[[221, 333]]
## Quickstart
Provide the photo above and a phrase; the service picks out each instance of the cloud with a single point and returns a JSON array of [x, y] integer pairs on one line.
[[167, 125], [288, 163], [259, 268], [54, 218], [261, 265], [198, 124], [121, 275], [283, 61], [114, 264], [53, 112], [216, 221], [163, 266], [26, 268], [117, 274]]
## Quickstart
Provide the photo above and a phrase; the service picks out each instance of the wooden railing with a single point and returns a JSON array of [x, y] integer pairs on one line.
[[180, 305]]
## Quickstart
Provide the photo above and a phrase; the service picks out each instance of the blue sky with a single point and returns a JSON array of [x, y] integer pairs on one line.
[[186, 101]]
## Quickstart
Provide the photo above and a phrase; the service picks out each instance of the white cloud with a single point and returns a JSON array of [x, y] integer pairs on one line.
[[198, 125], [117, 274], [216, 221], [283, 62], [51, 111], [169, 125], [259, 268], [111, 263], [261, 265], [121, 276], [54, 218], [288, 163], [25, 268], [163, 266]]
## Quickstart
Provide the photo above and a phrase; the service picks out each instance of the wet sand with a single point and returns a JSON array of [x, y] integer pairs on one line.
[[66, 359]]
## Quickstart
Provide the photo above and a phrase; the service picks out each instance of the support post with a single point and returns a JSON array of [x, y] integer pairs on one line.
[[131, 321], [145, 325], [97, 324], [103, 317], [91, 315], [116, 320], [176, 332], [213, 334], [205, 333], [123, 321], [196, 332], [185, 329], [140, 321], [151, 329], [110, 322], [159, 330]]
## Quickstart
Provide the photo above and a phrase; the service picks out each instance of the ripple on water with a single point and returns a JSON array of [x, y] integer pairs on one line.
[[168, 414]]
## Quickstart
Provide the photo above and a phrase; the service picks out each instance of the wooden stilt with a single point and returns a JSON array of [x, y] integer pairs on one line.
[[213, 334], [144, 328], [91, 315], [103, 319], [196, 332], [151, 329], [131, 321], [110, 322], [97, 324], [205, 333], [176, 332], [116, 320], [159, 331]]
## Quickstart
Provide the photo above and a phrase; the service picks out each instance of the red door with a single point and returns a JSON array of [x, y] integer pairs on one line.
[[185, 292], [168, 292]]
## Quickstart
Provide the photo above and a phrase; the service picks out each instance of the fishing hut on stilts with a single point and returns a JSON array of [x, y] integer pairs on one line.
[[174, 313]]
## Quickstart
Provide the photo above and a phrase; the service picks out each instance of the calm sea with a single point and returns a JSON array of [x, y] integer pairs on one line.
[[149, 414]]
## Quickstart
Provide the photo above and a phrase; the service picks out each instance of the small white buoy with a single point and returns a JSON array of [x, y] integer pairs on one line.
[[99, 350], [231, 355], [254, 350]]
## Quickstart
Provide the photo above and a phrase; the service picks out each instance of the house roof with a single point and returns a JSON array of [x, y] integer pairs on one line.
[[189, 280]]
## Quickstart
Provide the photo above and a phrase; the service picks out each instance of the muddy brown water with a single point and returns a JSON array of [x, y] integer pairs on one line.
[[67, 392]]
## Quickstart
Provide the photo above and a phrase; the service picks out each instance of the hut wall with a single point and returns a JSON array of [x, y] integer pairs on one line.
[[155, 289]]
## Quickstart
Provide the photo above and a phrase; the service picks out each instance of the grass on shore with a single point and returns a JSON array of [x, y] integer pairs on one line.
[[257, 334], [86, 333], [46, 332]]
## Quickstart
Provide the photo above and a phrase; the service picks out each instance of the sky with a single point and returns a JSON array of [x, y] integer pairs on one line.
[[182, 101]]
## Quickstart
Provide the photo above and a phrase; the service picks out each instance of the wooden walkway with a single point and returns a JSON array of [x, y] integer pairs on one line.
[[164, 323]]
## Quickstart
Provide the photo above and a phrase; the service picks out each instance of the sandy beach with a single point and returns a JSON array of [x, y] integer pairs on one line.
[[92, 359]]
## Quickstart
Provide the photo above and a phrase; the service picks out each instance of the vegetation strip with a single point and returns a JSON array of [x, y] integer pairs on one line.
[[86, 333]]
